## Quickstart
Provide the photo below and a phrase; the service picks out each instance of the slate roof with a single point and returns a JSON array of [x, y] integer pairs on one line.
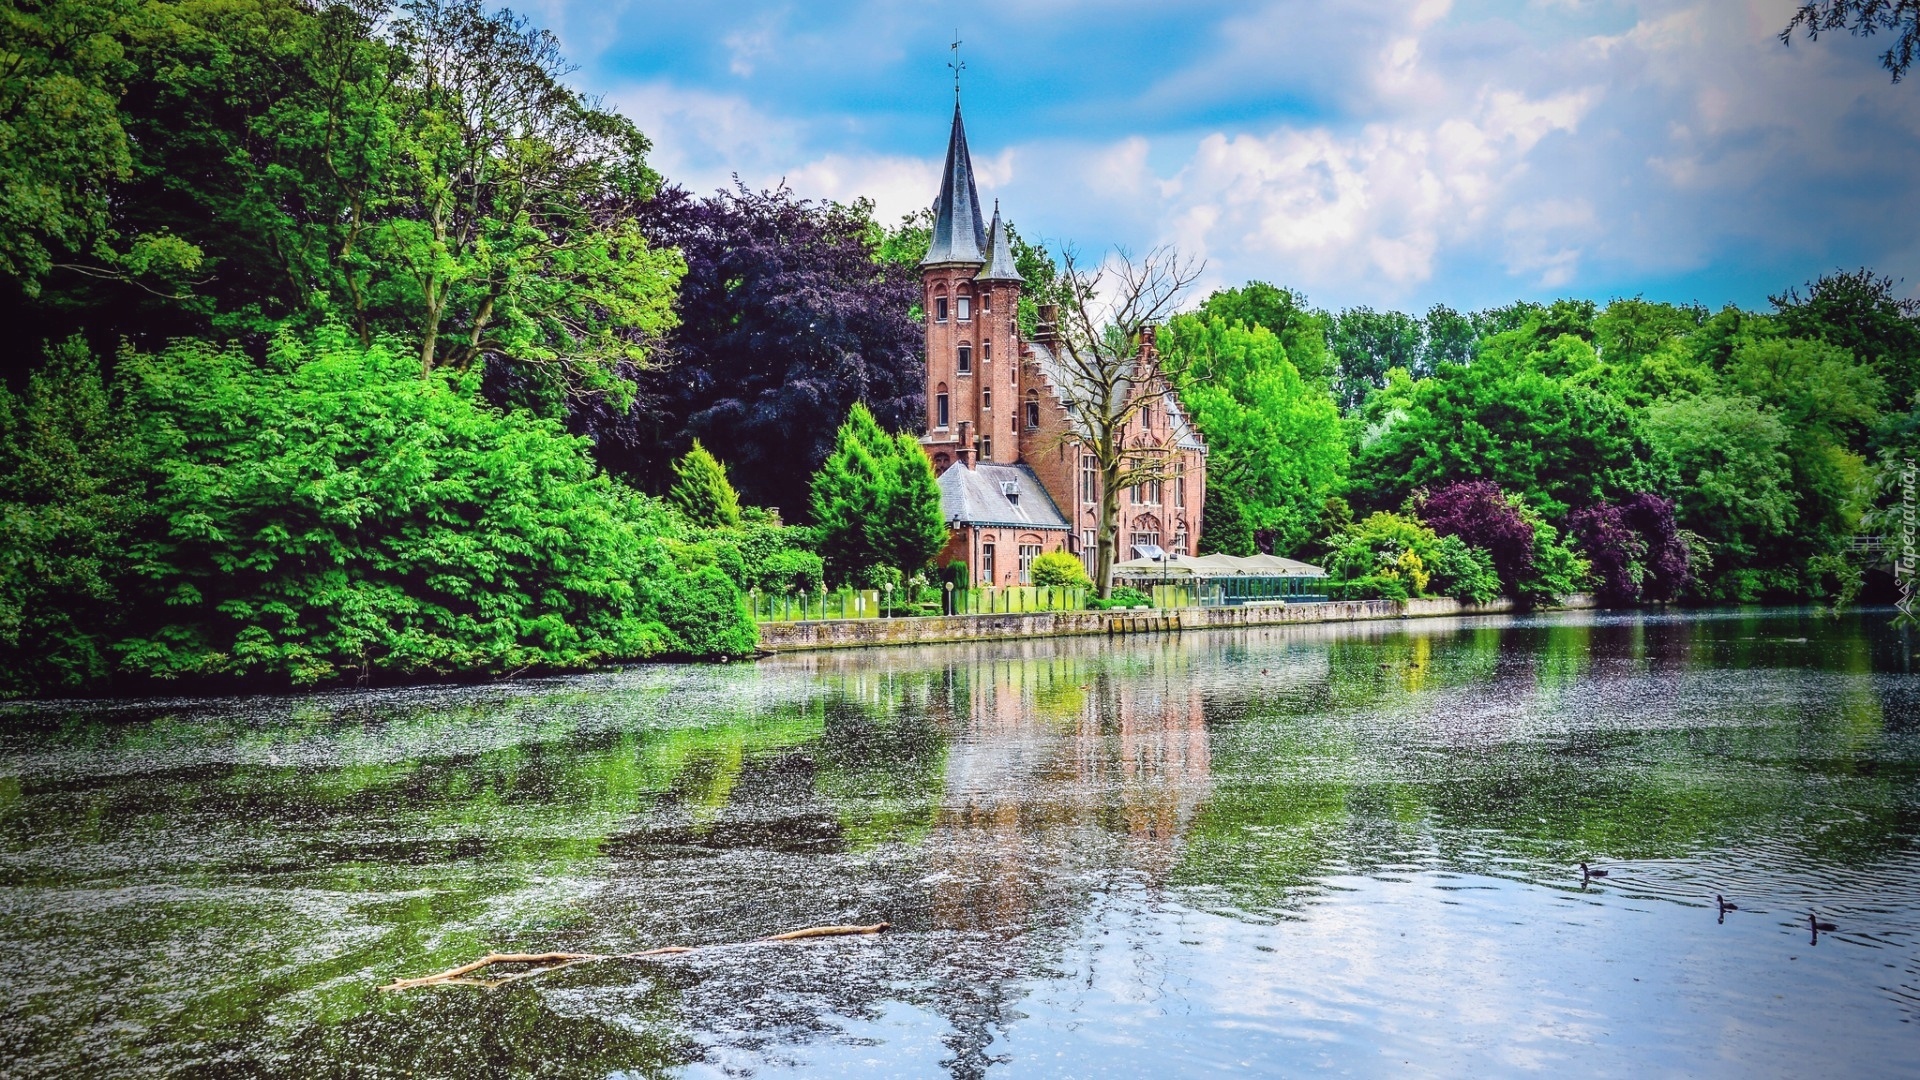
[[959, 236], [978, 496], [999, 252]]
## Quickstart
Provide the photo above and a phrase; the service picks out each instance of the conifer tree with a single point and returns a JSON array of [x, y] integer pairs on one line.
[[702, 490], [875, 500], [915, 528]]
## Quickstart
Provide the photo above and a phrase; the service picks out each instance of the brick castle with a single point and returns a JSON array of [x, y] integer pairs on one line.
[[1000, 419]]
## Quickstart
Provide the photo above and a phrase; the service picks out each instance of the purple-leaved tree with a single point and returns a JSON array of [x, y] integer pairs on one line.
[[1482, 516], [786, 319], [1634, 547]]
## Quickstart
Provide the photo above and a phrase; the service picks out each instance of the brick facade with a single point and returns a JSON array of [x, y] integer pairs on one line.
[[991, 400]]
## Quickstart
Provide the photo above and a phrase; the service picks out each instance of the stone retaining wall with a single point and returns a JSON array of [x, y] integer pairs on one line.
[[863, 633]]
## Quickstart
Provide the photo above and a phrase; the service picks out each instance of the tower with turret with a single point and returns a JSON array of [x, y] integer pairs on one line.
[[999, 425]]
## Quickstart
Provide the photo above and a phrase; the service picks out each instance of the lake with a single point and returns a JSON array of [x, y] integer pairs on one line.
[[1341, 848]]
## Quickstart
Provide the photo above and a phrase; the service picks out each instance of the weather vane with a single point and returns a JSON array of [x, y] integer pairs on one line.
[[958, 65]]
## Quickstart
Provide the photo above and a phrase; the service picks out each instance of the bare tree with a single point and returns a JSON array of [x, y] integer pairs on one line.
[[1112, 372]]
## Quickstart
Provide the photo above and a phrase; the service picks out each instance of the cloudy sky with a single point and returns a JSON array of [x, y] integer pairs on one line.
[[1395, 154]]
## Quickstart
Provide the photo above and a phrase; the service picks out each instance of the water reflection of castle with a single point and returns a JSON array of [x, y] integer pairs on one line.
[[1052, 765]]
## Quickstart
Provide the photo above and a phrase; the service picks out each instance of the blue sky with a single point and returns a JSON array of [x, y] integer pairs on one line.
[[1394, 154]]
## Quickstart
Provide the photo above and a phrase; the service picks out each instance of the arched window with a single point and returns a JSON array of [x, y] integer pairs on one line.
[[965, 365], [940, 412], [940, 463], [1033, 409]]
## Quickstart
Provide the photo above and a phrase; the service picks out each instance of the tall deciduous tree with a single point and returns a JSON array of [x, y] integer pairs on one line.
[[1554, 442], [1272, 437], [1366, 343], [1111, 370], [1284, 313], [786, 320]]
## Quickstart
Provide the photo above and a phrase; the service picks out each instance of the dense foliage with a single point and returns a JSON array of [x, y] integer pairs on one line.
[[787, 318], [1057, 569], [1274, 438], [331, 515], [876, 502], [702, 492]]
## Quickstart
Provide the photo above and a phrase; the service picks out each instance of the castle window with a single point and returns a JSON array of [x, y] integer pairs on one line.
[[940, 408], [986, 400], [986, 352], [965, 366], [940, 309], [966, 308], [1089, 478], [1028, 553], [986, 563], [1180, 487], [986, 449], [1033, 409]]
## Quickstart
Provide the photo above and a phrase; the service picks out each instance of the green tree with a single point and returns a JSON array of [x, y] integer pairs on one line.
[[1365, 344], [1273, 438], [875, 501], [1556, 443], [1735, 477], [700, 489], [62, 146], [1224, 528], [1285, 314], [67, 509]]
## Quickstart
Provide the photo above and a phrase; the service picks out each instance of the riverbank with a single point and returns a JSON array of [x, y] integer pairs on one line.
[[808, 635]]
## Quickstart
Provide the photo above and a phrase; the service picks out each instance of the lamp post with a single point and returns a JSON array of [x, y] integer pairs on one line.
[[949, 608], [887, 610]]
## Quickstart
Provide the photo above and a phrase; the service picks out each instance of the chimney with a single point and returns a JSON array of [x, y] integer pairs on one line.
[[1147, 337]]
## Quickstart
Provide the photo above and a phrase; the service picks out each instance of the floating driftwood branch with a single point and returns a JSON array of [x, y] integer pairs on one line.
[[554, 961]]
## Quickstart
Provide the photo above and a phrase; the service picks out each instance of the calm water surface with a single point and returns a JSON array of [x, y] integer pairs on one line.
[[1348, 849]]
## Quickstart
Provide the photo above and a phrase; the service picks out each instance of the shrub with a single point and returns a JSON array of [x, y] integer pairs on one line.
[[1465, 573], [705, 614], [789, 571], [332, 514], [1125, 596], [1058, 569]]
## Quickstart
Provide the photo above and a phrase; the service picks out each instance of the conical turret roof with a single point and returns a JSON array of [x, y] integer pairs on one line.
[[959, 236], [999, 252]]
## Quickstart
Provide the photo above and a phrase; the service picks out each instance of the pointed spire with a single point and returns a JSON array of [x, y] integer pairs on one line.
[[958, 234], [999, 252]]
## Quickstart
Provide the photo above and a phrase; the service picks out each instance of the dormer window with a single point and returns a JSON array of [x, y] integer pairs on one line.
[[965, 359], [1012, 491], [966, 308], [939, 309]]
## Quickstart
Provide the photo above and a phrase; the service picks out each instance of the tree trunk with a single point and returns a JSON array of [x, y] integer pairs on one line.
[[1109, 538]]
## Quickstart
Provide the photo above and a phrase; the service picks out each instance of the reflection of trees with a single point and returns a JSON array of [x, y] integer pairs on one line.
[[1479, 749]]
